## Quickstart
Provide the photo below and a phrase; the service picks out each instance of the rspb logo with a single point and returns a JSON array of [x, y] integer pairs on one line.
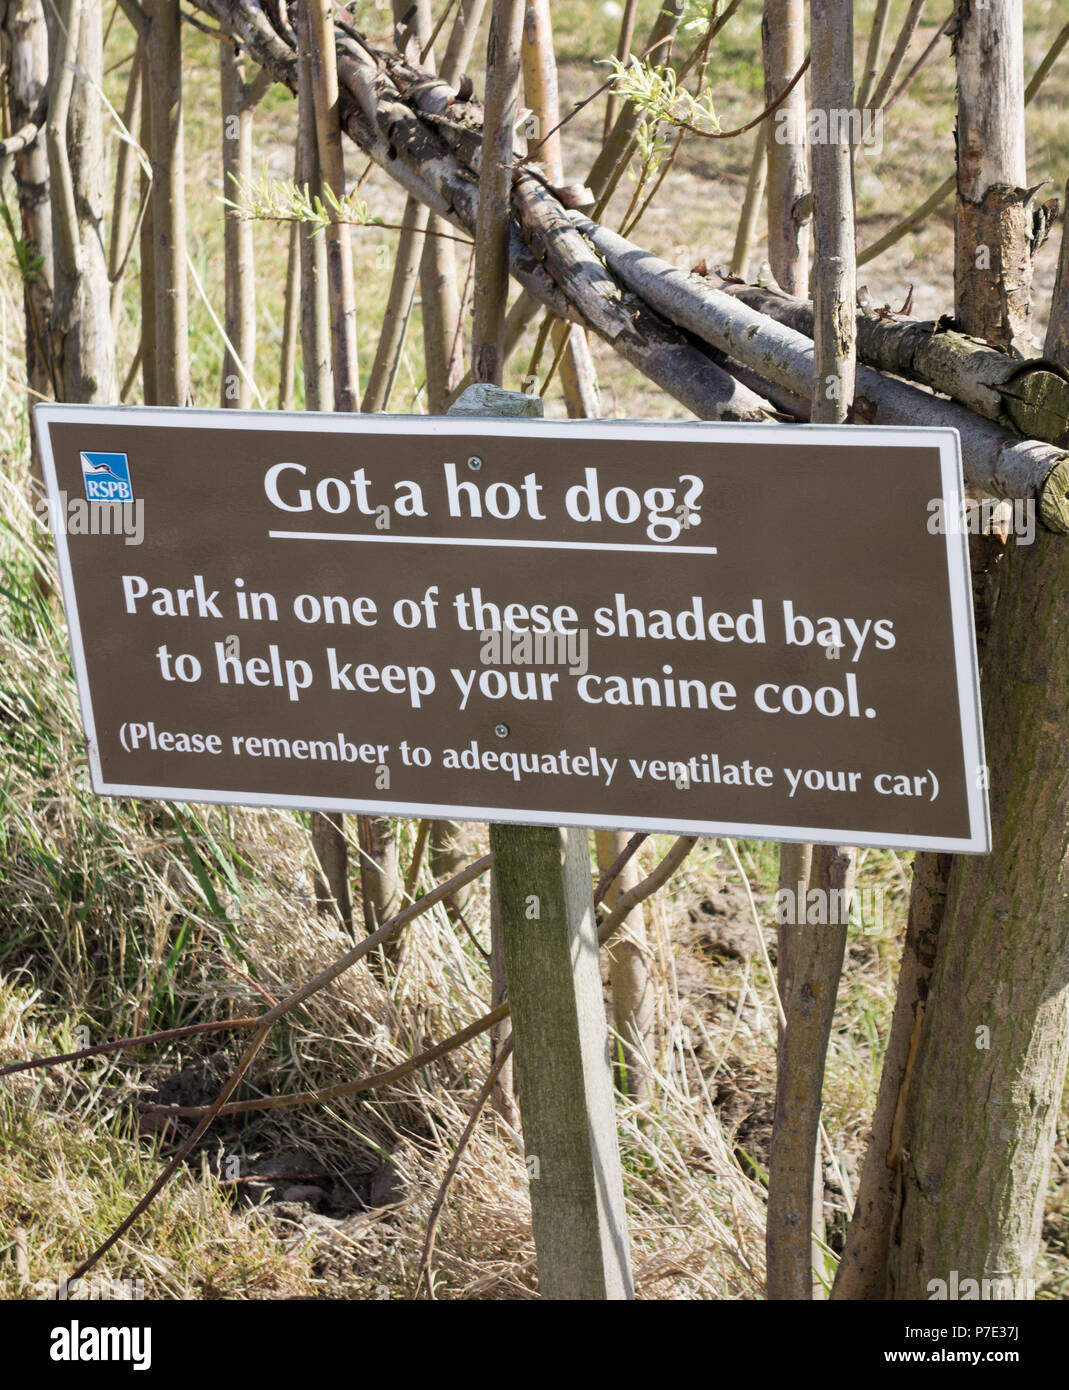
[[107, 478]]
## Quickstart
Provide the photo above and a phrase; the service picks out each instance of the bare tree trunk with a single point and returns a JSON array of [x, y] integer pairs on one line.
[[146, 247], [898, 53], [462, 39], [751, 206], [332, 890], [623, 49], [495, 183], [835, 278], [577, 374], [126, 166], [629, 970], [444, 356], [540, 88], [866, 1270], [871, 71], [448, 852], [862, 1272], [783, 43], [816, 963], [380, 872], [442, 336], [503, 1096], [787, 181], [816, 957], [380, 876], [795, 866], [795, 870], [992, 225], [398, 307], [491, 288], [443, 339], [410, 245], [328, 831], [164, 50], [81, 311], [26, 53], [287, 371], [315, 306], [239, 273], [992, 1044], [994, 1040], [320, 36]]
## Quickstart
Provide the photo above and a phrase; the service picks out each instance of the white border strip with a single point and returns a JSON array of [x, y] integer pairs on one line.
[[460, 541], [958, 573]]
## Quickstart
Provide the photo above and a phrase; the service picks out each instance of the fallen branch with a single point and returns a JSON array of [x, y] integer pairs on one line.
[[345, 1088], [119, 1044], [1031, 396], [995, 461]]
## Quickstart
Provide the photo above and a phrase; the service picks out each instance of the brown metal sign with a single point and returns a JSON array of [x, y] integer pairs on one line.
[[745, 630]]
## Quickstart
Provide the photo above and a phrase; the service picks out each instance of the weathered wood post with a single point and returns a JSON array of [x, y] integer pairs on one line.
[[542, 880]]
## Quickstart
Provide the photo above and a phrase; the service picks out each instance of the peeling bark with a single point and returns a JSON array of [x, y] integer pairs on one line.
[[993, 264], [992, 246], [1057, 342], [126, 167], [1031, 397]]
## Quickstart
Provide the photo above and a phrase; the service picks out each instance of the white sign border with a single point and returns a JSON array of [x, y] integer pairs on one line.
[[957, 554]]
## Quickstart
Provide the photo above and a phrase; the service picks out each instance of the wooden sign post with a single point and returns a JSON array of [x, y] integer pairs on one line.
[[542, 879]]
